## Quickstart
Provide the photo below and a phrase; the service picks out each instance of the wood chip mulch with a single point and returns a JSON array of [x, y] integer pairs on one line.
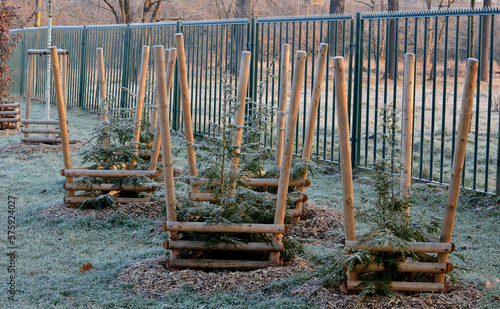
[[149, 210], [9, 132], [315, 225], [462, 295], [31, 148], [150, 277]]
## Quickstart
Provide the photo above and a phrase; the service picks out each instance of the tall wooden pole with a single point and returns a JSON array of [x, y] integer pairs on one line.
[[319, 77], [101, 78], [163, 93], [283, 96], [29, 89], [286, 164], [241, 99], [458, 159], [153, 162], [61, 111], [345, 152], [407, 125], [141, 86], [186, 106]]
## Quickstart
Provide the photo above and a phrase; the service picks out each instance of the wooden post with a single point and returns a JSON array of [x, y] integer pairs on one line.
[[458, 159], [345, 152], [283, 96], [162, 94], [153, 162], [319, 77], [65, 78], [241, 99], [61, 111], [407, 125], [29, 89], [286, 164], [186, 108], [141, 90], [101, 78]]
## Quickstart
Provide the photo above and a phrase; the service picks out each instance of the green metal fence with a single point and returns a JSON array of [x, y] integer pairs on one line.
[[442, 40]]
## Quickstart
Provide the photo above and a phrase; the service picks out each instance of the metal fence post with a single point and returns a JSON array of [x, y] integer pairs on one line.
[[126, 60], [176, 109], [252, 47], [357, 87], [83, 68]]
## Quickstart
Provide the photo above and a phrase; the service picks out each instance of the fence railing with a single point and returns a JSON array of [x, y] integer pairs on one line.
[[373, 45]]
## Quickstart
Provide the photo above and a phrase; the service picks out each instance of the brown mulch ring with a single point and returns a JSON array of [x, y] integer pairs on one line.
[[315, 225], [31, 148], [149, 210], [9, 132], [462, 295], [150, 277]]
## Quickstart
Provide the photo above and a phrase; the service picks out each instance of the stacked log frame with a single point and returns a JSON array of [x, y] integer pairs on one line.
[[442, 246], [51, 130], [102, 184], [273, 246]]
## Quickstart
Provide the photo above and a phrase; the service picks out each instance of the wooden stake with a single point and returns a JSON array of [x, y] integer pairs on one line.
[[221, 228], [186, 108], [428, 287], [153, 161], [286, 164], [119, 200], [345, 152], [141, 86], [241, 98], [61, 111], [65, 78], [29, 89], [416, 247], [101, 78], [407, 130], [108, 173], [458, 158], [108, 187], [257, 182], [411, 267], [40, 121], [41, 140], [226, 264], [319, 77], [283, 96], [222, 246], [163, 93]]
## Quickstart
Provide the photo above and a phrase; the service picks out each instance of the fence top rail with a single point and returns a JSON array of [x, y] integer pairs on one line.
[[325, 17], [53, 28], [234, 21], [465, 11]]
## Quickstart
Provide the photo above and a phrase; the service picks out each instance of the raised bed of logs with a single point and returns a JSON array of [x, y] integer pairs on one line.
[[51, 130], [72, 198], [442, 246]]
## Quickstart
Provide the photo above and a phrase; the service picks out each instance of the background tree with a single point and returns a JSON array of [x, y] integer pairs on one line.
[[485, 43], [392, 6], [336, 7]]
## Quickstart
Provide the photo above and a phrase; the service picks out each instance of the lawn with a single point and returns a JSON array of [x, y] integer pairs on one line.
[[50, 252]]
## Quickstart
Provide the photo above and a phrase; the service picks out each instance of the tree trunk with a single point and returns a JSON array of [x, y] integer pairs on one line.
[[336, 7], [485, 43], [392, 6], [242, 9], [38, 17]]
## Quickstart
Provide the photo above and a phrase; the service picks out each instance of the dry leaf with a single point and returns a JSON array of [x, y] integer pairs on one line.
[[489, 285], [85, 267], [133, 234]]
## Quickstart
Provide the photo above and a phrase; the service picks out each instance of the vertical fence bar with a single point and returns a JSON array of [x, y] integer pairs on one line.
[[358, 63], [176, 117], [83, 68]]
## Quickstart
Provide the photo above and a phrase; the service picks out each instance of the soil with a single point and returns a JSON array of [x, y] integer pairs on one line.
[[31, 148], [149, 210]]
